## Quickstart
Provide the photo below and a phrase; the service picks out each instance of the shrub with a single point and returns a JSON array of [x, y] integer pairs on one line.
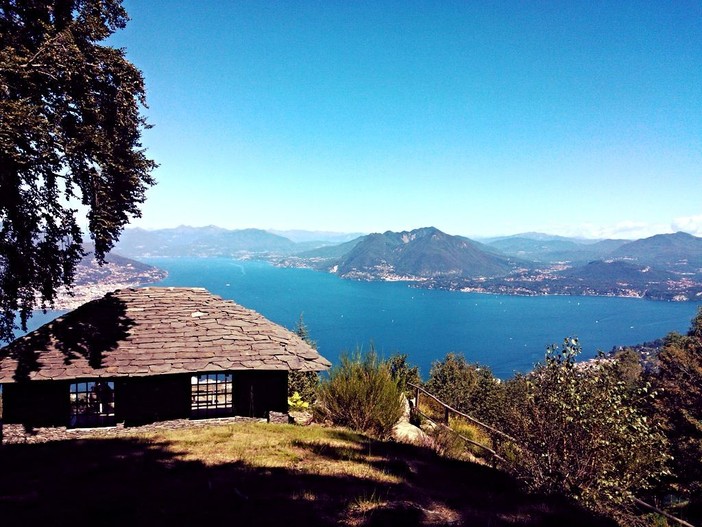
[[580, 431], [403, 373], [297, 404], [361, 394], [469, 388], [679, 380], [303, 383]]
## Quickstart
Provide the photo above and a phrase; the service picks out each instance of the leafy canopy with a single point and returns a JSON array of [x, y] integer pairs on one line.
[[582, 431], [70, 132], [679, 381]]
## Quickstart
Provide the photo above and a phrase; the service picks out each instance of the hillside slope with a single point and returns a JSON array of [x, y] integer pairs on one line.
[[263, 475], [679, 251], [93, 281], [420, 253]]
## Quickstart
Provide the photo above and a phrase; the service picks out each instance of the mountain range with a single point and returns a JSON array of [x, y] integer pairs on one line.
[[665, 266]]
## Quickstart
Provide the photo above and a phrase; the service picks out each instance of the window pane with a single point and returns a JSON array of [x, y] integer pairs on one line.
[[92, 403], [212, 395]]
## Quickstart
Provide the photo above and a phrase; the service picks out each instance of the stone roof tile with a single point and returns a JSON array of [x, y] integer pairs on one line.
[[155, 330]]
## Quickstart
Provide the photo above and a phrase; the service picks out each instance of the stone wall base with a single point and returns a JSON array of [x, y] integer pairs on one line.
[[14, 434]]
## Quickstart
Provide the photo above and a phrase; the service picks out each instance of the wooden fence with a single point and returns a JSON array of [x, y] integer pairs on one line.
[[447, 411], [444, 420]]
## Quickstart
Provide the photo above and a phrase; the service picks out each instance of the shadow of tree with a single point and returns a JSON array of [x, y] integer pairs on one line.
[[126, 481], [88, 332], [92, 330]]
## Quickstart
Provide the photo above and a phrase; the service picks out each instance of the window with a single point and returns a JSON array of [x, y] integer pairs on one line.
[[92, 403], [211, 395]]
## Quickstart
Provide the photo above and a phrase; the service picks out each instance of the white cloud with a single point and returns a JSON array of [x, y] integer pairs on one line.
[[689, 224], [628, 230]]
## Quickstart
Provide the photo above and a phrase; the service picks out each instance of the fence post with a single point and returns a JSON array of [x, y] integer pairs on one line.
[[446, 416]]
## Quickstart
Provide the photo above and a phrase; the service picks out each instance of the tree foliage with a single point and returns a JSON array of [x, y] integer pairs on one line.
[[469, 388], [304, 383], [403, 372], [70, 132], [581, 431], [679, 380]]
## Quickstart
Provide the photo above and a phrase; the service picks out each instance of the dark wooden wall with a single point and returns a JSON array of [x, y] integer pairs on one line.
[[257, 392], [36, 403], [140, 400]]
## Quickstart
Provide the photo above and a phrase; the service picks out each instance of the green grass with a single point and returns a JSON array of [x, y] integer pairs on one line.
[[260, 474]]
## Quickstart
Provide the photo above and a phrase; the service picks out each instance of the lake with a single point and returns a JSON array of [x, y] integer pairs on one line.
[[507, 333]]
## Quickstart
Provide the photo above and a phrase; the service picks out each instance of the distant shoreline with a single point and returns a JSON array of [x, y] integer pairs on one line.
[[84, 293]]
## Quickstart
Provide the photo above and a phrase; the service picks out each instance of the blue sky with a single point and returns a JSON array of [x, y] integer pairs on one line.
[[479, 118]]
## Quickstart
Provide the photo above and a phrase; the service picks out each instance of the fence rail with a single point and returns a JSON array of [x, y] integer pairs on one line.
[[448, 410]]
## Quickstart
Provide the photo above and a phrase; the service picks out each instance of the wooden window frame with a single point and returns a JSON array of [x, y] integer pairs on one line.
[[92, 403], [211, 394]]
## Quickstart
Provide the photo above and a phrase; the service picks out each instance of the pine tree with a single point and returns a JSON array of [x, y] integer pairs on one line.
[[303, 382]]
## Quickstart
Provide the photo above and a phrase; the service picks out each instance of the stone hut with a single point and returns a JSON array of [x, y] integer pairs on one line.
[[156, 353]]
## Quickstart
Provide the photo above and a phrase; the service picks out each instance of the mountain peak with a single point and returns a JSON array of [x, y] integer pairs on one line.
[[421, 253]]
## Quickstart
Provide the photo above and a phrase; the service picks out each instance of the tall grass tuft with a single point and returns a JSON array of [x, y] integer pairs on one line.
[[361, 394]]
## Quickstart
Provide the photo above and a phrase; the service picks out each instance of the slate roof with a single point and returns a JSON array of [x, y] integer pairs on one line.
[[155, 331]]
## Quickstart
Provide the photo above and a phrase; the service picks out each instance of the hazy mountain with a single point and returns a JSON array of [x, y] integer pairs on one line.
[[622, 273], [679, 252], [537, 236], [317, 237], [421, 253], [201, 241], [331, 251], [543, 248]]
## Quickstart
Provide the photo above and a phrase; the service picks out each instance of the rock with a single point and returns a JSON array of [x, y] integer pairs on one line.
[[404, 432], [301, 418], [278, 417]]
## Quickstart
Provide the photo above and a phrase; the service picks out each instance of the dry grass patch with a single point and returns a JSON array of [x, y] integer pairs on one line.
[[310, 450], [259, 474]]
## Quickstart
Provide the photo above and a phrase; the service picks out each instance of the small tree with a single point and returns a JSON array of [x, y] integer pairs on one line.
[[469, 388], [361, 394], [403, 373], [581, 431], [304, 383], [679, 380]]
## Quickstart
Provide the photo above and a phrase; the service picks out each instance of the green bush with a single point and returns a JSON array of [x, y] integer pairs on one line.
[[403, 373], [303, 383], [581, 432], [469, 388], [297, 404], [361, 394]]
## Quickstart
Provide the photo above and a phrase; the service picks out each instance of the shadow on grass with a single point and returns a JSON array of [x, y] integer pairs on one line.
[[127, 482]]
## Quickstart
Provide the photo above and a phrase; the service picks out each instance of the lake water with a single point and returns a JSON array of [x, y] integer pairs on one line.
[[507, 333]]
